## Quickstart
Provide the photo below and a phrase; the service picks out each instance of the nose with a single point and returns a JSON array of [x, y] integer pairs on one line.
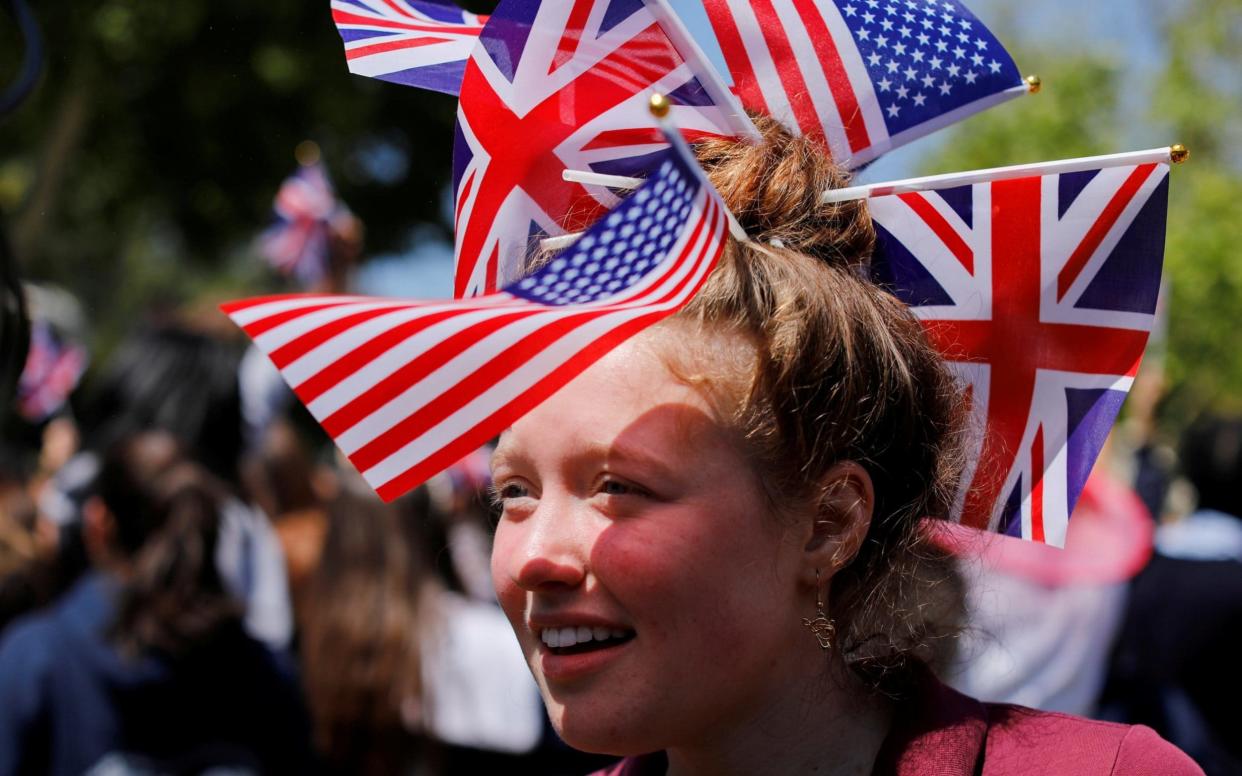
[[551, 551]]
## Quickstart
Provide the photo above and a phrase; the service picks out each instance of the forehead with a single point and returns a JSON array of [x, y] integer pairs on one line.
[[657, 391]]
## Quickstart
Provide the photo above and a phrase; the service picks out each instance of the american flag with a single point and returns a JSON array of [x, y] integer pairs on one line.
[[298, 241], [423, 43], [407, 388], [865, 75], [555, 86], [53, 368], [1040, 292]]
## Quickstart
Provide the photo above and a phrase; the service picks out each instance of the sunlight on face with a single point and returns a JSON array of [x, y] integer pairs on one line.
[[651, 589]]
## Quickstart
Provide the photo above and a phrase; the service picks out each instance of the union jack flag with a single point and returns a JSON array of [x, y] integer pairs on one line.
[[557, 85], [864, 75], [53, 368], [1040, 292], [299, 240], [423, 43], [408, 388]]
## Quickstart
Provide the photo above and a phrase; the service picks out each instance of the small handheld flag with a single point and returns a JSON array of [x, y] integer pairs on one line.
[[306, 211], [1040, 291], [53, 368], [557, 85], [423, 43], [407, 388], [865, 76]]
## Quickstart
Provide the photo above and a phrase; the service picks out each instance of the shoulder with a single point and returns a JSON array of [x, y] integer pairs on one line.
[[26, 648], [1022, 740]]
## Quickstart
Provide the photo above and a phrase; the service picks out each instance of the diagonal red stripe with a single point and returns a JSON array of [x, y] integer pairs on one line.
[[567, 46], [392, 45], [323, 380], [1100, 229], [291, 351], [255, 328], [938, 224]]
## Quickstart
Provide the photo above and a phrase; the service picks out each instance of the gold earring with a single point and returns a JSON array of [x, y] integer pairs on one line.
[[821, 626]]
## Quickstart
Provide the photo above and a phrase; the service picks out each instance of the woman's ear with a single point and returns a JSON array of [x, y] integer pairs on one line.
[[841, 521]]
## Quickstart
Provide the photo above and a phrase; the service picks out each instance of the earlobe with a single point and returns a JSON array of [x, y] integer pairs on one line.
[[843, 516]]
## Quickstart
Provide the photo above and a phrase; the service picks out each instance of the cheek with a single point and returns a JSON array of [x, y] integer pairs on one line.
[[511, 597], [693, 579]]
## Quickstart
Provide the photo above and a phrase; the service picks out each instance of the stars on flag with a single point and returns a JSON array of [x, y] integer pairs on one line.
[[927, 44]]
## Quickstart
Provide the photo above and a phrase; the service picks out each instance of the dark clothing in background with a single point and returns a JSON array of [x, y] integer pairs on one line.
[[68, 698], [1175, 666]]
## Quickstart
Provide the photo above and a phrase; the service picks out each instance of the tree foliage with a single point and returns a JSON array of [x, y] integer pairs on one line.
[[147, 158]]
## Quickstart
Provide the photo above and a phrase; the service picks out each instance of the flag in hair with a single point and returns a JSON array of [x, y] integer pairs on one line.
[[423, 43], [1041, 293], [562, 85], [865, 76], [305, 209], [407, 388], [53, 368]]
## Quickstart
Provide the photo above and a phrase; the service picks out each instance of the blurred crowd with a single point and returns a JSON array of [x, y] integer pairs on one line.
[[192, 581]]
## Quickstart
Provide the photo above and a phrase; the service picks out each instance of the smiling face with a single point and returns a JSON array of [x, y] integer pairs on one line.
[[652, 590]]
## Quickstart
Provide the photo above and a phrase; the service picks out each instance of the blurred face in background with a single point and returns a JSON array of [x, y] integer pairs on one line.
[[651, 588]]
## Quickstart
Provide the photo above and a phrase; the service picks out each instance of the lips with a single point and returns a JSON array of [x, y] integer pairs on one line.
[[575, 647]]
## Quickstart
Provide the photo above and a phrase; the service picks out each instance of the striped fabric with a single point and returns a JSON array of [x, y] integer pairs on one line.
[[407, 388]]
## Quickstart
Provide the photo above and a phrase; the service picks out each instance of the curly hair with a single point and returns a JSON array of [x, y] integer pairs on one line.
[[839, 370]]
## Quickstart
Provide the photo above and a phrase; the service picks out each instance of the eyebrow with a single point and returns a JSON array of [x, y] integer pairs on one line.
[[620, 453]]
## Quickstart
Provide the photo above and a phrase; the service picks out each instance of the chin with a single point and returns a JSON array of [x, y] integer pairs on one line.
[[604, 731]]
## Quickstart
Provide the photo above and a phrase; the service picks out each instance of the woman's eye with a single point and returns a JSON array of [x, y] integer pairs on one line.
[[615, 487], [511, 490]]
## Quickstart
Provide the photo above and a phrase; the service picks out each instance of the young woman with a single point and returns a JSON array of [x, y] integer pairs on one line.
[[710, 543]]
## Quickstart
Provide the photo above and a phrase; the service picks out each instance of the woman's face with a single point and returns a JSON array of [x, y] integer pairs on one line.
[[653, 593]]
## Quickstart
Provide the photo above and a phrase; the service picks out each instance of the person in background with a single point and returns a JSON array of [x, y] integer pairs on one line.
[[175, 377], [144, 666], [1174, 665], [401, 673], [1211, 459]]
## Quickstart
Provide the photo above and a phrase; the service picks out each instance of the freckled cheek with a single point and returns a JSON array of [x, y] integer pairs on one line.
[[675, 585]]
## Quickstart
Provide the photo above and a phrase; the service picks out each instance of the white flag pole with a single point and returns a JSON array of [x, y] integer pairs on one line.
[[1176, 154], [622, 182], [659, 106], [716, 88]]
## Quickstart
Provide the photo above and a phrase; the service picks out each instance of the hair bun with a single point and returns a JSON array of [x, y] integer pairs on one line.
[[774, 188]]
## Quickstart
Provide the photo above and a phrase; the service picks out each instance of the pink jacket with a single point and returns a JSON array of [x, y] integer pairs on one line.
[[941, 732]]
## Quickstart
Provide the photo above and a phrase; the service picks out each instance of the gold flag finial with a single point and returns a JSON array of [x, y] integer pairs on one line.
[[307, 153], [1178, 153], [1034, 83], [659, 105]]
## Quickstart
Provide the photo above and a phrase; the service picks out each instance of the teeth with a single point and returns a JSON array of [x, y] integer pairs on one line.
[[569, 636]]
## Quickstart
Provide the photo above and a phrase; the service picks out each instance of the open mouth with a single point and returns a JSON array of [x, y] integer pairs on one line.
[[572, 641]]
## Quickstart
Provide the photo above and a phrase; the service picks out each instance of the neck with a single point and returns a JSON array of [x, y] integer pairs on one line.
[[827, 724]]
